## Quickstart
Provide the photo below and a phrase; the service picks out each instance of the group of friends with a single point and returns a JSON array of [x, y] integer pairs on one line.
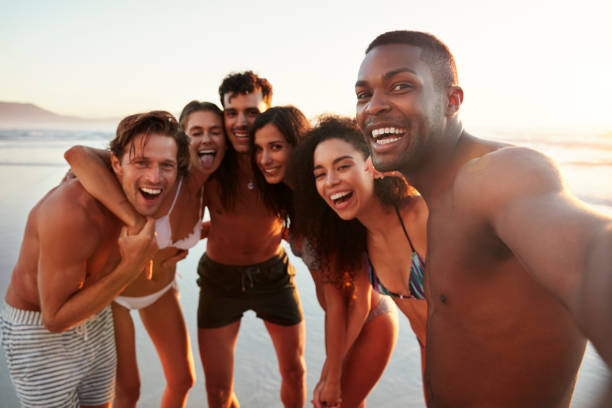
[[501, 272]]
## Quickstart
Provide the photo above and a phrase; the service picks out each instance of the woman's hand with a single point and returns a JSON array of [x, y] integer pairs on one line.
[[327, 395]]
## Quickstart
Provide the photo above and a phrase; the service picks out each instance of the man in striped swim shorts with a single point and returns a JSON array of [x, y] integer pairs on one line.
[[75, 258]]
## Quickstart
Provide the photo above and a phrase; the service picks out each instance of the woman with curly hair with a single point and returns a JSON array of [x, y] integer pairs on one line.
[[361, 217], [360, 324]]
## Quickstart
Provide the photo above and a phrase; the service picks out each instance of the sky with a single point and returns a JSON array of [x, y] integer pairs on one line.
[[544, 65]]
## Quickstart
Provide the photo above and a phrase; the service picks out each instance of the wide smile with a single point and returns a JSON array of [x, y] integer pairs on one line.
[[272, 171], [241, 134], [386, 135], [150, 193], [340, 199]]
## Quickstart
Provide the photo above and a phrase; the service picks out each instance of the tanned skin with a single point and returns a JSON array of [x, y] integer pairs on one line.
[[246, 234], [518, 271]]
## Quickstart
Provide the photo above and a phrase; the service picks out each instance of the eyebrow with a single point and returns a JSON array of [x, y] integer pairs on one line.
[[389, 75], [336, 160]]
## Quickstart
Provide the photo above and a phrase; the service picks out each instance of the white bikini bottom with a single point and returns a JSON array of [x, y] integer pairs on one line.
[[140, 302]]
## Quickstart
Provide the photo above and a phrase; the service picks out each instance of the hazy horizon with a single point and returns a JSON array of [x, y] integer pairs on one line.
[[541, 66]]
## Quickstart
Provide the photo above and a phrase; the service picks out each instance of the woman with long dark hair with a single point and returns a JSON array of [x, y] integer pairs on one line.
[[360, 324]]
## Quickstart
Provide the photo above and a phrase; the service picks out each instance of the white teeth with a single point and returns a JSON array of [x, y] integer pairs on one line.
[[387, 131], [336, 196], [387, 140], [207, 151], [153, 191]]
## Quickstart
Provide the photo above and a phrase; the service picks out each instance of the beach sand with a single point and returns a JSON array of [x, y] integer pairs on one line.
[[257, 382]]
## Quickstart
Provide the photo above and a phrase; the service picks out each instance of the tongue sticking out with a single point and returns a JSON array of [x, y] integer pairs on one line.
[[207, 159]]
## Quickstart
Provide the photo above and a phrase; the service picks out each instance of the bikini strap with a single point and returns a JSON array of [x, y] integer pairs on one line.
[[201, 212], [397, 211], [178, 190]]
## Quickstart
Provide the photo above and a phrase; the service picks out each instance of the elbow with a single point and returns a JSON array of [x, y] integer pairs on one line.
[[74, 151], [54, 325]]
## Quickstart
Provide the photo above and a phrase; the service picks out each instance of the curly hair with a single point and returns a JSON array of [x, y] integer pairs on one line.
[[160, 122], [340, 244], [244, 83], [292, 123]]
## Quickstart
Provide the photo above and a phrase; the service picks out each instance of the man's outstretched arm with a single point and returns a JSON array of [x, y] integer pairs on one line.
[[563, 243]]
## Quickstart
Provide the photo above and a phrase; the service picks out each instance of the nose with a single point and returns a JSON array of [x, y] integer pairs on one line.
[[265, 156], [331, 179], [153, 174], [242, 119], [206, 137], [377, 103]]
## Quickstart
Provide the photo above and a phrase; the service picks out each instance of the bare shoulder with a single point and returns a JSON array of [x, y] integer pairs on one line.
[[414, 208], [506, 173], [71, 215]]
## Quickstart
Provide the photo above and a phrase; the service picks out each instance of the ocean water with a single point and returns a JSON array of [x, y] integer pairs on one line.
[[31, 162]]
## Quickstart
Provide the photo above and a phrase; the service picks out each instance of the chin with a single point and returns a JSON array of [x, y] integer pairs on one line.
[[241, 148], [273, 180], [385, 164], [148, 211]]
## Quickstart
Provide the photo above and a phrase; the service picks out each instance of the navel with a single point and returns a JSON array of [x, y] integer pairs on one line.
[[443, 299]]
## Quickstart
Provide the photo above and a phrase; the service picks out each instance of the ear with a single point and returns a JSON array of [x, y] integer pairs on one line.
[[369, 166], [116, 164], [454, 97]]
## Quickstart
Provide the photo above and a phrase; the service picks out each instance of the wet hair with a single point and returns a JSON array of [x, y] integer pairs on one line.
[[340, 244], [292, 123], [198, 106], [434, 52], [244, 83], [160, 122]]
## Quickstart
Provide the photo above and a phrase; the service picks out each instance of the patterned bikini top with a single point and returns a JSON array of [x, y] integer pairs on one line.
[[164, 230], [417, 270]]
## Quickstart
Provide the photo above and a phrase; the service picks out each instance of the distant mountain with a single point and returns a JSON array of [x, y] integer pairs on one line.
[[28, 116]]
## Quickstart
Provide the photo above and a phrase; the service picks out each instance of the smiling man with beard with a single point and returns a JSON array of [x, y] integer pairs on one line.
[[75, 258], [518, 270]]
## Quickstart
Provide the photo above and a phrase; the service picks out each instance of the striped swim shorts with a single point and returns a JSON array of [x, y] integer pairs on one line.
[[68, 369]]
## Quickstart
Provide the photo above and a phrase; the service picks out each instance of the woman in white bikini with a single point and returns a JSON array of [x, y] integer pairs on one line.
[[360, 324], [180, 228], [358, 216]]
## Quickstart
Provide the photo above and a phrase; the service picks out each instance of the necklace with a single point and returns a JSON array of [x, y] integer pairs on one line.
[[251, 185]]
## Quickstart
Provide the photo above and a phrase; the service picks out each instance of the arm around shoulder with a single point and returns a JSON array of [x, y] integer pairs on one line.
[[92, 168]]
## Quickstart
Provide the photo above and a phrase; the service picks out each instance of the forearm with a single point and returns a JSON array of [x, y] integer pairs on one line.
[[98, 179], [335, 338], [91, 299], [595, 302], [358, 308]]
